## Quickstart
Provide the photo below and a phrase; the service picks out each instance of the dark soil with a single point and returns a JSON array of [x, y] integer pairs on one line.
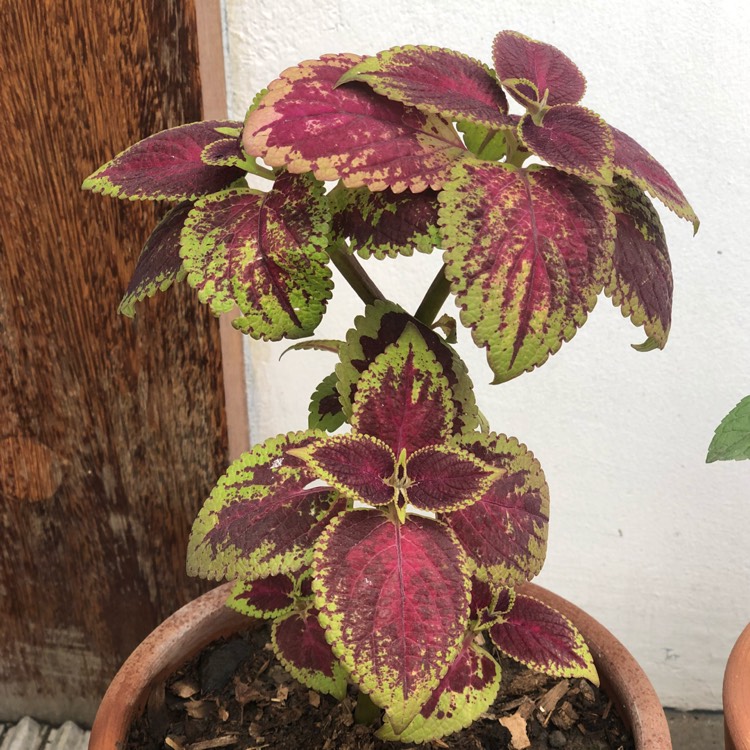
[[235, 695]]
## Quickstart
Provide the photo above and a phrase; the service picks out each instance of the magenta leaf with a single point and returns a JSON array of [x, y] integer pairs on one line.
[[526, 253], [305, 123], [633, 162], [442, 478], [300, 645], [167, 166], [159, 264], [505, 532], [544, 640], [385, 224], [464, 694], [267, 598], [360, 466], [264, 252], [325, 407], [573, 139], [382, 325], [262, 518], [403, 398], [435, 80], [641, 282], [489, 603], [394, 600], [554, 77]]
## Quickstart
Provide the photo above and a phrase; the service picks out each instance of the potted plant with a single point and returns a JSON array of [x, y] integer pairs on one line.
[[387, 553], [731, 442]]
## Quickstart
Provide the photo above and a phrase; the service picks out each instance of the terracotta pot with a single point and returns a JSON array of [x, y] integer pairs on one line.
[[202, 621], [736, 695]]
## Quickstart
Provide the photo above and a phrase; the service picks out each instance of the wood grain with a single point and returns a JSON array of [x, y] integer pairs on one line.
[[112, 430]]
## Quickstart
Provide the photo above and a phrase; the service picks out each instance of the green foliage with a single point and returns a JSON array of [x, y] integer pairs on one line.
[[732, 439]]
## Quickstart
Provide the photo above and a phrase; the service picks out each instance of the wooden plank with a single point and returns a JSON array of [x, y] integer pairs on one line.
[[111, 431]]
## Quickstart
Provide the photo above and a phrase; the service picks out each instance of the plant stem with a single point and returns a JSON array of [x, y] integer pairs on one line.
[[356, 276], [434, 298], [365, 712]]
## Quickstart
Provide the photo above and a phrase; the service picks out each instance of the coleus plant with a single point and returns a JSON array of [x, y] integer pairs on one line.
[[389, 555]]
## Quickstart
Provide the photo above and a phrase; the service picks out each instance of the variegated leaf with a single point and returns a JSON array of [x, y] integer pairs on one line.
[[641, 281], [382, 325], [385, 224], [573, 139], [633, 162], [267, 598], [394, 601], [264, 252], [464, 694], [441, 478], [489, 603], [403, 398], [261, 518], [305, 123], [325, 411], [300, 645], [318, 345], [544, 640], [159, 264], [555, 78], [526, 253], [732, 439], [505, 533], [359, 466], [435, 80], [166, 166], [226, 152]]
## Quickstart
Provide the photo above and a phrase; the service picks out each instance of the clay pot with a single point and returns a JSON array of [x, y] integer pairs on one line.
[[736, 695], [205, 619]]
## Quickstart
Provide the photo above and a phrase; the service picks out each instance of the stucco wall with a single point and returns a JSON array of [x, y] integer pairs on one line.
[[643, 534]]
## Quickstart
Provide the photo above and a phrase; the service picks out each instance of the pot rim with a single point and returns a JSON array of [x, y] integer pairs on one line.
[[736, 695], [185, 633]]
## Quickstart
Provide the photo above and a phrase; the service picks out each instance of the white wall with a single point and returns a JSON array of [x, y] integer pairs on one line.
[[644, 535]]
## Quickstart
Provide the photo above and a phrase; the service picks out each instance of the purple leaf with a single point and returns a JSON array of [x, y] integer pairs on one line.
[[633, 162], [573, 139], [159, 263], [435, 80], [394, 601], [641, 282], [305, 124], [167, 166], [265, 252], [262, 518], [265, 597], [551, 72], [544, 640], [526, 253], [505, 532], [226, 152]]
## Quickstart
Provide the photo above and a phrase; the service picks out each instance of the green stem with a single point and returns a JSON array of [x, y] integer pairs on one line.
[[365, 712], [251, 166], [356, 276], [434, 298]]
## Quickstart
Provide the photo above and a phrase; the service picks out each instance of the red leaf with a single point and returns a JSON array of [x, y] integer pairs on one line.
[[573, 139], [350, 133], [159, 263], [442, 478], [505, 533], [394, 601], [167, 166], [435, 80], [641, 282], [403, 398], [541, 638], [264, 597], [637, 165], [549, 70]]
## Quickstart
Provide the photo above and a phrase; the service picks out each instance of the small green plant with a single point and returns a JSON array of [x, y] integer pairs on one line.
[[389, 555]]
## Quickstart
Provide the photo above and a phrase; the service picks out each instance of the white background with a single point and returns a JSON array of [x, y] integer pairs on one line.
[[644, 535]]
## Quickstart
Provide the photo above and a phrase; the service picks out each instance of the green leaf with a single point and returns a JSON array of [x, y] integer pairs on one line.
[[318, 345], [262, 517], [526, 254], [732, 439], [264, 252], [325, 406], [483, 142]]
